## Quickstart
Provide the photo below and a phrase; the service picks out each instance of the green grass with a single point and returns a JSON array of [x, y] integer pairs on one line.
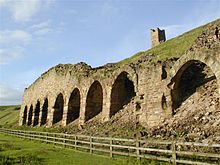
[[173, 48], [14, 150], [9, 115]]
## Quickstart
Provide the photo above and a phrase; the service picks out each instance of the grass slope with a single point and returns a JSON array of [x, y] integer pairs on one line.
[[16, 151], [9, 115], [173, 48], [21, 151]]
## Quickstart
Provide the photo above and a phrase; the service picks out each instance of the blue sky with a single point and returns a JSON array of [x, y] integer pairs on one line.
[[38, 34]]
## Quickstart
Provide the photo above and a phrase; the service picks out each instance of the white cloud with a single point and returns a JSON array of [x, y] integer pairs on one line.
[[199, 18], [174, 30], [24, 10], [41, 28], [9, 95], [8, 55], [42, 31], [41, 25], [16, 36], [2, 3]]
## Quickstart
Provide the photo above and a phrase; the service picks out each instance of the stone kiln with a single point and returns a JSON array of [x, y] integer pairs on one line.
[[67, 93]]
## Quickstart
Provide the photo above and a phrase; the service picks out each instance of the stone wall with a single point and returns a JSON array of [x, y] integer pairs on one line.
[[157, 36], [78, 92]]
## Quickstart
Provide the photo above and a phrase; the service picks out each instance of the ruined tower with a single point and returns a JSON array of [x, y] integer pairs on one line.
[[157, 36]]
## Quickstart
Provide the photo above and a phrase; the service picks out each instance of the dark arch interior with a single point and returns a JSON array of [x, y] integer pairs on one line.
[[73, 106], [94, 101], [164, 102], [58, 109], [122, 92], [44, 112], [192, 75], [164, 73], [36, 114], [24, 116], [30, 115]]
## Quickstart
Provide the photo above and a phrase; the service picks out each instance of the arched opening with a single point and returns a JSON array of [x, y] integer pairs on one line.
[[193, 76], [94, 101], [24, 116], [58, 109], [36, 113], [164, 102], [73, 106], [30, 113], [164, 72], [44, 112], [122, 93]]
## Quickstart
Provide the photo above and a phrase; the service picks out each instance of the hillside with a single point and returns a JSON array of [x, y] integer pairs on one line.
[[173, 48], [197, 118], [9, 115]]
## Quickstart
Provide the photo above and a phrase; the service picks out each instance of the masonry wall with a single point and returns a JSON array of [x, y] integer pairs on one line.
[[152, 86], [157, 36]]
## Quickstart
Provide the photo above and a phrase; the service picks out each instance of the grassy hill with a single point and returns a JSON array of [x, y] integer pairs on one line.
[[175, 47], [9, 115]]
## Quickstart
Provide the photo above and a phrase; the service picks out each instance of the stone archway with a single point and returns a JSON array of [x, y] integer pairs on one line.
[[58, 109], [24, 116], [210, 58], [94, 101], [190, 78], [36, 114], [73, 106], [122, 92], [30, 113], [44, 112]]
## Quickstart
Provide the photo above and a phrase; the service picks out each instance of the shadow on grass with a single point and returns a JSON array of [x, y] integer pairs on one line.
[[23, 160]]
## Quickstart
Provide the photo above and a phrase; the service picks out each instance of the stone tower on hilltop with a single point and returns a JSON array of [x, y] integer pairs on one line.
[[157, 36]]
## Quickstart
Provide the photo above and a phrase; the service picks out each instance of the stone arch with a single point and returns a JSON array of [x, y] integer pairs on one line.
[[36, 113], [191, 72], [44, 112], [123, 91], [24, 119], [210, 58], [30, 114], [73, 106], [94, 100], [58, 109]]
